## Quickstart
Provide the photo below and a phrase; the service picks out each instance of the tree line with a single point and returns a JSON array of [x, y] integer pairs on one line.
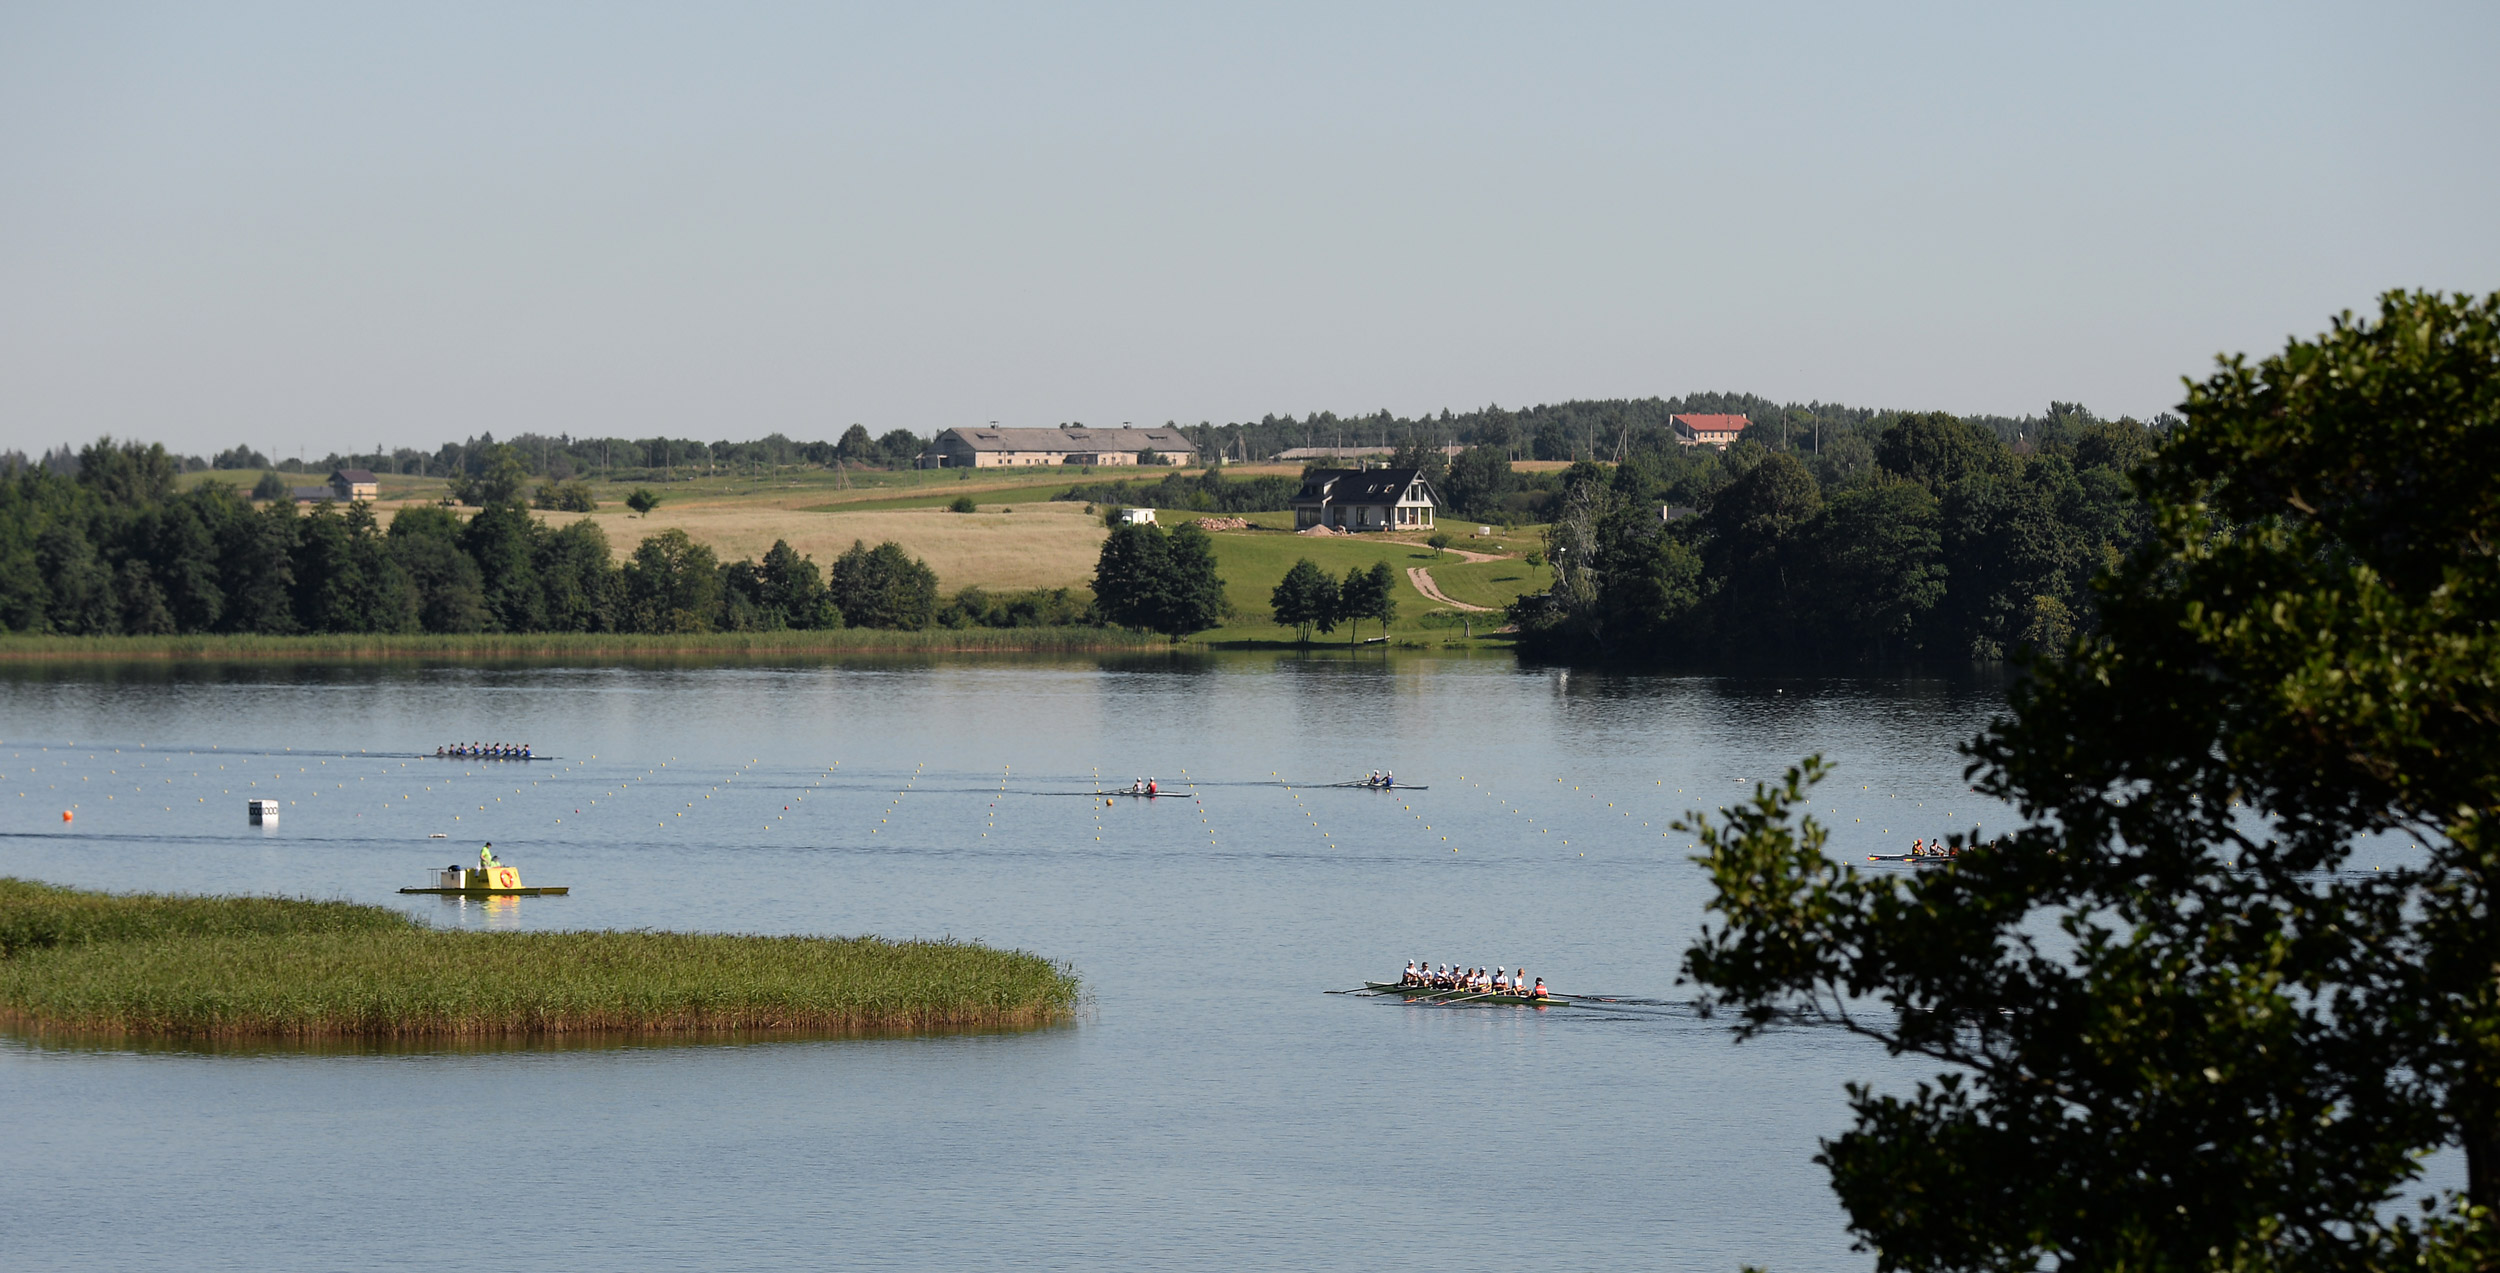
[[539, 458], [116, 550], [1945, 543]]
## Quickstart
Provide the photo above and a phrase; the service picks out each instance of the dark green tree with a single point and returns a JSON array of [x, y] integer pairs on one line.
[[792, 586], [503, 539], [443, 581], [80, 583], [271, 486], [577, 582], [2181, 1030], [256, 569], [1367, 594], [1196, 592], [1759, 548], [1304, 599], [1877, 566], [329, 577], [883, 587], [672, 584], [1937, 450], [642, 499], [129, 475]]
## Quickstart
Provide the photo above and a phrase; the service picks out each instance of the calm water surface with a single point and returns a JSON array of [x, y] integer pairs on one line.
[[1214, 1110]]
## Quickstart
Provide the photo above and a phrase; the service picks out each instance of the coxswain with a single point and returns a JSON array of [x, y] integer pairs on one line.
[[1918, 848], [486, 857], [1539, 992], [1153, 788]]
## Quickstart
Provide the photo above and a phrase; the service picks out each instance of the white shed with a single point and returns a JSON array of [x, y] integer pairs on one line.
[[1137, 517]]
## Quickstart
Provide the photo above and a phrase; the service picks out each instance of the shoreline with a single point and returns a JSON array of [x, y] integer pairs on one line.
[[569, 645]]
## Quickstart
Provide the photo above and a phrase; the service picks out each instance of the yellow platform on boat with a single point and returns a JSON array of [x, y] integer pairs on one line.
[[499, 881]]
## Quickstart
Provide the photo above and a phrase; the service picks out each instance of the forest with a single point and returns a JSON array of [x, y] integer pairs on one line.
[[116, 550], [1937, 540]]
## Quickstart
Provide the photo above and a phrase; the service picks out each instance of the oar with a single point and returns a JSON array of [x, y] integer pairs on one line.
[[1443, 1003]]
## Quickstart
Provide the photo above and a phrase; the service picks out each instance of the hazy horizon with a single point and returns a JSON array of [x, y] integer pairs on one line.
[[311, 229]]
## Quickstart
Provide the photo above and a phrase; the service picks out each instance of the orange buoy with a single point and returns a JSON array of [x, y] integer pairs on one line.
[[64, 815]]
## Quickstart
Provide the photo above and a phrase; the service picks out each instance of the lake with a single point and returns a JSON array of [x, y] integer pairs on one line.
[[1214, 1108]]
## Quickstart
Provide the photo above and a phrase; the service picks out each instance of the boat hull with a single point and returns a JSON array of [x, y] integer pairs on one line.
[[491, 892], [1471, 998]]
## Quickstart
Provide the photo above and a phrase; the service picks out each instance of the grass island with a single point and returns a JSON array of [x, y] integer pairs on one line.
[[239, 967]]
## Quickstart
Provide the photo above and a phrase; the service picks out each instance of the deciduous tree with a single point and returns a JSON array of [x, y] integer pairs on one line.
[[2181, 1028]]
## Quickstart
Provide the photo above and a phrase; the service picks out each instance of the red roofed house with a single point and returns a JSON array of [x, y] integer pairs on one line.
[[1707, 430]]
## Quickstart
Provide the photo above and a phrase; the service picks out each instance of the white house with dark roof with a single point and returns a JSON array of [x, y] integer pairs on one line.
[[1365, 499], [1018, 448]]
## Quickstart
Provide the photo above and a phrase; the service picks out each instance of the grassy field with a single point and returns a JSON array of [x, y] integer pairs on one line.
[[570, 645], [223, 967], [1042, 543], [1039, 545], [1252, 563]]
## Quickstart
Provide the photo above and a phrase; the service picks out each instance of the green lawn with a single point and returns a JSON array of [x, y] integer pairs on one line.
[[1253, 562], [1490, 583]]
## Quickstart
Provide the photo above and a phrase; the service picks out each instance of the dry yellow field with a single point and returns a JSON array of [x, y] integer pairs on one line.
[[1040, 545]]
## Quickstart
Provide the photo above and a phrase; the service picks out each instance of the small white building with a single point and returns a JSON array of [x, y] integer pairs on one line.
[[1137, 517]]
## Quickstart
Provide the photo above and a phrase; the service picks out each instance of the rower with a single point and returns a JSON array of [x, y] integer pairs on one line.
[[1408, 978], [1501, 980], [1387, 780], [525, 751], [1152, 788]]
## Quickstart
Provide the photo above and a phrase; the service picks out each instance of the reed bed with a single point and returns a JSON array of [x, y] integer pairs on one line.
[[575, 645], [245, 967]]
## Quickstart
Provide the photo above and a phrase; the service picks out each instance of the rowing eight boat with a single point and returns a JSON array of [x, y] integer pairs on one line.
[[1426, 994]]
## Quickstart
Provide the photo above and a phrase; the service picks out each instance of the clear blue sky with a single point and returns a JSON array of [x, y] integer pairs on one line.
[[318, 226]]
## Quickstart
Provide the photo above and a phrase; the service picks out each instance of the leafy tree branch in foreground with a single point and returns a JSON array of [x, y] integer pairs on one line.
[[2178, 1028]]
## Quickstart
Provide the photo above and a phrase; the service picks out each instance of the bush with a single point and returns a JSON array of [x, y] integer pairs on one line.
[[566, 497], [963, 504]]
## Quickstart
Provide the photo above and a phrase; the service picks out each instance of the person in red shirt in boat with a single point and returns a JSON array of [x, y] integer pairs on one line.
[[1539, 992]]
